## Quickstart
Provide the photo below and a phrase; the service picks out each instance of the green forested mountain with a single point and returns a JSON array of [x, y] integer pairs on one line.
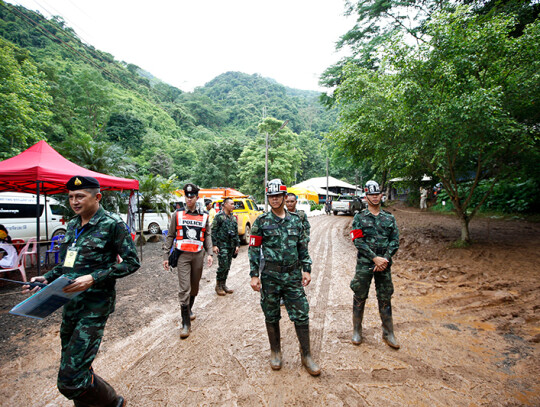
[[114, 117]]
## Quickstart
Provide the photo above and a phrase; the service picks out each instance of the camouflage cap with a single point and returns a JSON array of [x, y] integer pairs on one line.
[[79, 182]]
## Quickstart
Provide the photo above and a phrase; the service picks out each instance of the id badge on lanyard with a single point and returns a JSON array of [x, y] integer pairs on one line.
[[72, 251]]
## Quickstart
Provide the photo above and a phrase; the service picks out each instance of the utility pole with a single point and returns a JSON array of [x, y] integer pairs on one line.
[[327, 191]]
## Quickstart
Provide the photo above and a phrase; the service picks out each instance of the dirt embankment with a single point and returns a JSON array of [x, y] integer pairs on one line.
[[467, 320]]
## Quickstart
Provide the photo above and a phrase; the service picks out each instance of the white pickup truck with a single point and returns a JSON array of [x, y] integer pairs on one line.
[[349, 205]]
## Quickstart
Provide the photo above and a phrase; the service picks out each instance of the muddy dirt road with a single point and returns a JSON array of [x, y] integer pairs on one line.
[[467, 321]]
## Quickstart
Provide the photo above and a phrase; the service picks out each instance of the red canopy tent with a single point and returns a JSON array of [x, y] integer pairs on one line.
[[42, 169]]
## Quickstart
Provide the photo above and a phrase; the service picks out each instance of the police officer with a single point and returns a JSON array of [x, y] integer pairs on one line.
[[226, 243], [94, 238], [376, 236], [291, 202], [277, 237], [190, 231]]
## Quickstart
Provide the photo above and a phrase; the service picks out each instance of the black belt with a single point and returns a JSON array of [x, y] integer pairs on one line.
[[280, 268], [379, 251]]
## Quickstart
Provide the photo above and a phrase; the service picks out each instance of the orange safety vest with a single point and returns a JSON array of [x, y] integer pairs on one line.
[[190, 231]]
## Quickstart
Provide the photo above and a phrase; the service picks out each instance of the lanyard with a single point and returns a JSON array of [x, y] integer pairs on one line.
[[77, 234]]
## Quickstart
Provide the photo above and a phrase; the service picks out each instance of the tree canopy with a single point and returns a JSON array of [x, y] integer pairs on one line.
[[460, 105]]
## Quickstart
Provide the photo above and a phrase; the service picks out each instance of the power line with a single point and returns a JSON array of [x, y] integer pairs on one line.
[[64, 44], [70, 23]]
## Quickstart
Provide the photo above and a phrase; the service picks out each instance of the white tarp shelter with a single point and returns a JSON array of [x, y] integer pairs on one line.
[[424, 178], [319, 185]]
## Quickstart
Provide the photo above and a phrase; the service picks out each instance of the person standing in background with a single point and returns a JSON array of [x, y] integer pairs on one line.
[[291, 202], [210, 209], [226, 243], [423, 198]]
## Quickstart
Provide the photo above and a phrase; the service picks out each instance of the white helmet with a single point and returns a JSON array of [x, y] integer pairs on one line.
[[275, 187], [372, 188]]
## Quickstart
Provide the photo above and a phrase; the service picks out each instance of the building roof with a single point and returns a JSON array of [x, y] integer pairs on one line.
[[319, 185]]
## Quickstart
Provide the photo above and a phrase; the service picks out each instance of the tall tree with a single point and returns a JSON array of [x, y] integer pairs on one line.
[[126, 130], [90, 94], [155, 192], [462, 105], [284, 157], [218, 166]]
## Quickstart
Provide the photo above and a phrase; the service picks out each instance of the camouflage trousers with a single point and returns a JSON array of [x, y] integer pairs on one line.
[[362, 280], [224, 262], [80, 338], [286, 285]]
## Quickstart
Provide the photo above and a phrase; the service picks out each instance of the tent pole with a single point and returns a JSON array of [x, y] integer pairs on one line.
[[38, 261], [140, 226], [46, 215]]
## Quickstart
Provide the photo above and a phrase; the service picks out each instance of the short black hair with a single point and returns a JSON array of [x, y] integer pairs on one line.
[[291, 194], [227, 199]]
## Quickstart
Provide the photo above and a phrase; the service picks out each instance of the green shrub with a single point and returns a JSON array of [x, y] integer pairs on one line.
[[508, 196]]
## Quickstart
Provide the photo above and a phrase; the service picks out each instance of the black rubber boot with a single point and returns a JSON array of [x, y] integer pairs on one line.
[[186, 322], [358, 316], [385, 311], [225, 288], [302, 331], [101, 394], [275, 345], [219, 288], [191, 302]]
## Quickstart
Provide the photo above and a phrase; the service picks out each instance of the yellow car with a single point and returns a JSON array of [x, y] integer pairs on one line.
[[246, 212]]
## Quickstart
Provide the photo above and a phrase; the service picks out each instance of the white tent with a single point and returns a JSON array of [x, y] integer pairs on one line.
[[318, 185], [424, 178]]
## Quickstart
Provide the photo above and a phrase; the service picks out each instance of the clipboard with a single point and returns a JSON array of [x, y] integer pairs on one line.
[[45, 301]]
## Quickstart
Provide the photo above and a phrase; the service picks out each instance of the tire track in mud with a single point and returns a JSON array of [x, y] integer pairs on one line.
[[322, 254]]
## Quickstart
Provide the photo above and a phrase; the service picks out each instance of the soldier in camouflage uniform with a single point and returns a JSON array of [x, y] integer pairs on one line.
[[376, 236], [278, 249], [226, 243], [291, 202], [94, 239]]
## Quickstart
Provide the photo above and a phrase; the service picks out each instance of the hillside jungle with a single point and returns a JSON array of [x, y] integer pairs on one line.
[[113, 117]]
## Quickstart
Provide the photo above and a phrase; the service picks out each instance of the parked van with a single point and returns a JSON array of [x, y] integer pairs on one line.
[[18, 215]]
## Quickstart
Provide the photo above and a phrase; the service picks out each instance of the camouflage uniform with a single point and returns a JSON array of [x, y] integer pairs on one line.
[[225, 237], [84, 317], [305, 223], [378, 236], [284, 248]]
